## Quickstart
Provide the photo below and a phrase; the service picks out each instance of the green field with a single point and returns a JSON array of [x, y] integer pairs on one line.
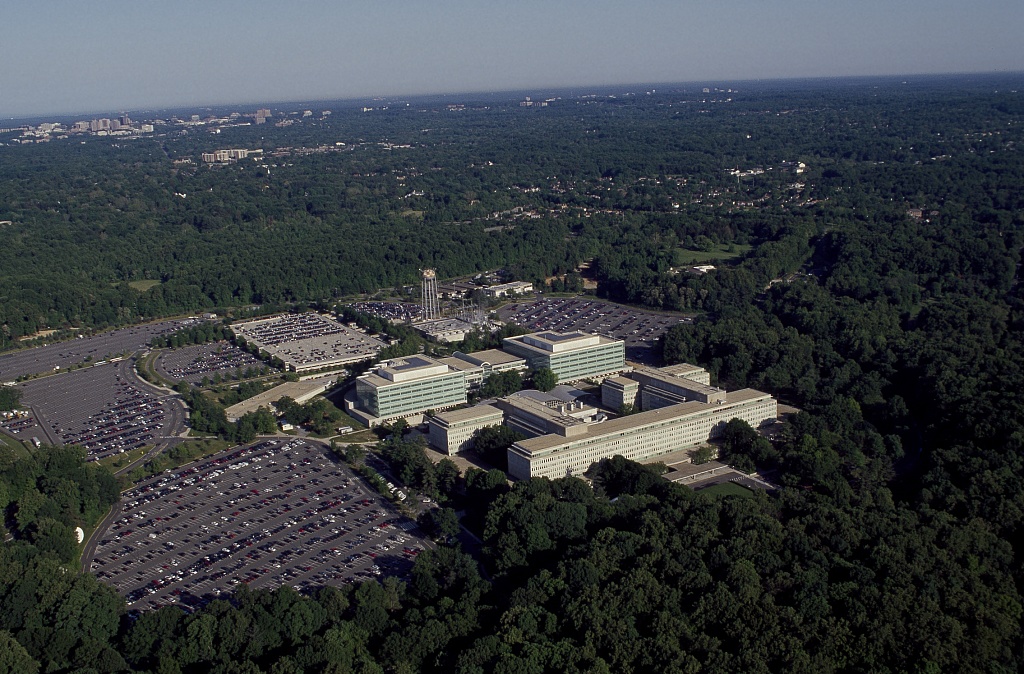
[[721, 253], [116, 461], [10, 443], [727, 489], [144, 285]]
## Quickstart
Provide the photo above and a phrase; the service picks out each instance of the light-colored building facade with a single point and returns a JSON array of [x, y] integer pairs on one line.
[[453, 432], [617, 392], [534, 413], [506, 289], [445, 329], [408, 386], [638, 436], [572, 356], [480, 365], [659, 388]]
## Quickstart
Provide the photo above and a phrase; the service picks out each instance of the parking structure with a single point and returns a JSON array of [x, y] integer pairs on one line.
[[640, 330], [194, 363], [104, 409], [273, 513], [308, 341]]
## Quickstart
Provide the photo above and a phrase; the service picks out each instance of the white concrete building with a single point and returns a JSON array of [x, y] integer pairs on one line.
[[638, 436], [453, 431]]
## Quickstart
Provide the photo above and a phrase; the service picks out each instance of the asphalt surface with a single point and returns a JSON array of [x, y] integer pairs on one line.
[[194, 363], [273, 513], [107, 409], [96, 347], [640, 330]]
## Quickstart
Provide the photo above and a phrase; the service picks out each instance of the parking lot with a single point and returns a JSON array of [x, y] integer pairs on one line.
[[309, 340], [106, 409], [395, 312], [65, 354], [639, 329], [204, 361], [274, 513]]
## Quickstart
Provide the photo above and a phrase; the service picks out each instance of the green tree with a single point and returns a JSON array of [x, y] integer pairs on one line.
[[544, 379], [10, 397], [14, 659], [440, 523], [492, 443]]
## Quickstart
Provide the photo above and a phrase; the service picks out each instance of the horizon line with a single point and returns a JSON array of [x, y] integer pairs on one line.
[[493, 92]]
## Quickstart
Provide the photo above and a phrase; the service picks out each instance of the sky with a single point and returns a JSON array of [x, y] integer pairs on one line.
[[65, 57]]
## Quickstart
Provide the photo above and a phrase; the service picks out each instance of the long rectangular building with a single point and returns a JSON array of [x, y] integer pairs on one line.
[[638, 436]]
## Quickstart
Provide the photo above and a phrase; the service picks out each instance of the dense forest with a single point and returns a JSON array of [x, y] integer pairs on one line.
[[875, 287]]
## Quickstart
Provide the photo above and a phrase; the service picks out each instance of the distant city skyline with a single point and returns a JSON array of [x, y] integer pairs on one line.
[[65, 58]]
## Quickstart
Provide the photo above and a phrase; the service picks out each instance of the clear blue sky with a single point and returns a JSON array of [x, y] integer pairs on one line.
[[59, 56]]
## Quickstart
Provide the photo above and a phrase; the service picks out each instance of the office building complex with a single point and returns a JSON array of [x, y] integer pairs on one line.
[[572, 356], [638, 436]]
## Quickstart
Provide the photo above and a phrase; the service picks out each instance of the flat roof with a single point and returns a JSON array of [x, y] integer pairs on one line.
[[468, 413], [406, 369], [443, 325], [492, 356], [292, 389], [681, 369], [550, 343], [659, 374], [684, 471], [308, 340], [557, 337], [459, 364], [410, 363]]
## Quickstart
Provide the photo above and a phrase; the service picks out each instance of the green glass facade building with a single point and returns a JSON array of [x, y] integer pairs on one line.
[[572, 356]]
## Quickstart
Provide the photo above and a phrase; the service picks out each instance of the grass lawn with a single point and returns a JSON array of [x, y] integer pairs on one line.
[[719, 254], [727, 489], [358, 436], [144, 285], [19, 448], [117, 461], [187, 452], [346, 420], [203, 448], [145, 365]]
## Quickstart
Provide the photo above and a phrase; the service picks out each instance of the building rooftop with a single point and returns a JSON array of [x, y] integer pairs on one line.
[[406, 369], [549, 342], [681, 369], [300, 391], [410, 363], [489, 356], [660, 375], [460, 364], [626, 423], [468, 413]]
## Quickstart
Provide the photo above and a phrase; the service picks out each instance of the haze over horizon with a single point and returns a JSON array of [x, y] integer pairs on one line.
[[120, 55]]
